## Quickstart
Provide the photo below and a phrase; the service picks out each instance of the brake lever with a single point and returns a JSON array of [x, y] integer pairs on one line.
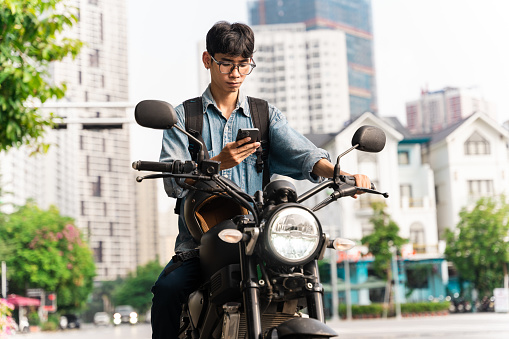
[[372, 191]]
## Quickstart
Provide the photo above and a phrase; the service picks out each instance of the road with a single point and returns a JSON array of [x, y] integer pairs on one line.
[[452, 326], [461, 326]]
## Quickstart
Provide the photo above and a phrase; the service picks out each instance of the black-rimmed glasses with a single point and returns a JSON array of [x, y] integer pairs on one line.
[[228, 67]]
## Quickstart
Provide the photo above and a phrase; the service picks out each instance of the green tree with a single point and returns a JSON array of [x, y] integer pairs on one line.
[[479, 247], [31, 38], [384, 236], [135, 290], [380, 243], [47, 251]]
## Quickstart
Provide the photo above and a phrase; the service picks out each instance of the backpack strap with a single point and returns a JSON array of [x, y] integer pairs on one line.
[[194, 125], [260, 116]]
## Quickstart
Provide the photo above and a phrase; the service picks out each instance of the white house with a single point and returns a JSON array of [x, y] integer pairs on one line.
[[469, 160]]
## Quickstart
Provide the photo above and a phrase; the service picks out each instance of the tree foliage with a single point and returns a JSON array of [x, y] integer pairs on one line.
[[479, 247], [46, 250], [135, 290], [31, 38], [385, 234]]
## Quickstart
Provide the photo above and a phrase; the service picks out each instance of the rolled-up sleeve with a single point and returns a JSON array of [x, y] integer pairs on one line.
[[175, 147], [291, 153]]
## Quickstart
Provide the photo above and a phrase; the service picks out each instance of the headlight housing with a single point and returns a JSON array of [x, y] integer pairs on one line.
[[292, 235]]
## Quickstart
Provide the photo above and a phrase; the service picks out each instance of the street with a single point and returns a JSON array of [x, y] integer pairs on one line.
[[454, 326]]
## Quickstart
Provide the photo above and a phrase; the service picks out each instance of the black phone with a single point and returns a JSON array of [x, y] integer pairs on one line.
[[248, 132]]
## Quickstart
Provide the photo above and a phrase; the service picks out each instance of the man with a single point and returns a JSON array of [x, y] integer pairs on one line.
[[229, 57]]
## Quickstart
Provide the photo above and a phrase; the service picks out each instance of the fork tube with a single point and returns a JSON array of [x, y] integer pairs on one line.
[[314, 297], [250, 293]]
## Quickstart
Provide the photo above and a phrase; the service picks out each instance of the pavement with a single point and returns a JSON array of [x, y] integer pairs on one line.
[[453, 326]]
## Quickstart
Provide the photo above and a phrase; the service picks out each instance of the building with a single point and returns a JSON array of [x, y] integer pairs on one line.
[[353, 17], [87, 172], [469, 160], [148, 240], [434, 111]]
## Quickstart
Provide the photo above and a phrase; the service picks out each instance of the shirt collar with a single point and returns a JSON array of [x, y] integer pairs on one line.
[[242, 103]]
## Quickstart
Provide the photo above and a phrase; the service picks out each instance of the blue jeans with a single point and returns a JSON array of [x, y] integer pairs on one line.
[[170, 292]]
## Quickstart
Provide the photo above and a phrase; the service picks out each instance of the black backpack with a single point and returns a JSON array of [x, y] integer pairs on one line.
[[259, 115]]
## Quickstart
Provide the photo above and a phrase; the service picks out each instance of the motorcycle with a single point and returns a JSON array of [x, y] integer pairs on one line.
[[259, 254]]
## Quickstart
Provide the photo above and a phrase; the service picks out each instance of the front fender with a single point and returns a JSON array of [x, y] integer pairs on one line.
[[300, 328]]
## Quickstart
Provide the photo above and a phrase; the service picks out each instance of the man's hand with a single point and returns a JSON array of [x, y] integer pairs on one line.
[[234, 152], [361, 180]]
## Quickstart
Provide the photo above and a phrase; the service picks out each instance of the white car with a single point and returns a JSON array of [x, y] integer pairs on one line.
[[101, 318], [125, 314]]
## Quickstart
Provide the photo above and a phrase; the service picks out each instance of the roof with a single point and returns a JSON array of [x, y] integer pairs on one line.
[[319, 140], [18, 300]]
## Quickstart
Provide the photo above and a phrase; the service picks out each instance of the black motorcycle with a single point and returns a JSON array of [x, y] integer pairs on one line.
[[258, 253]]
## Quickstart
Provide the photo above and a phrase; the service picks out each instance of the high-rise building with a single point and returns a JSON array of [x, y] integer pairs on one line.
[[350, 16], [148, 239], [434, 111], [87, 172]]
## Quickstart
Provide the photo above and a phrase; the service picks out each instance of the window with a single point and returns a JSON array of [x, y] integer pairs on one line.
[[96, 187], [417, 238], [403, 157], [477, 145], [405, 190], [82, 208], [98, 252], [94, 59], [480, 188]]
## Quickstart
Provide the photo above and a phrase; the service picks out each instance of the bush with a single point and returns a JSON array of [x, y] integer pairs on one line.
[[33, 318], [49, 326], [361, 310], [376, 309], [422, 307]]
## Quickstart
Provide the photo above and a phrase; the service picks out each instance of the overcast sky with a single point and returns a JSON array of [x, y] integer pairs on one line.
[[418, 44]]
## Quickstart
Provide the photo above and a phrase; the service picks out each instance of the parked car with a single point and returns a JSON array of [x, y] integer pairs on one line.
[[101, 318], [69, 321], [125, 314]]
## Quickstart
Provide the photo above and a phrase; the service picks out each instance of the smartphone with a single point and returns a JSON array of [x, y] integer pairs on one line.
[[248, 132]]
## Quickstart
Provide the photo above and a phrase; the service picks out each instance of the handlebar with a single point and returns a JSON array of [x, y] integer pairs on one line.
[[175, 167]]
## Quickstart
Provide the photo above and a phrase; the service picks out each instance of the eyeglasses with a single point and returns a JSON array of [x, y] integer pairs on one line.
[[228, 67]]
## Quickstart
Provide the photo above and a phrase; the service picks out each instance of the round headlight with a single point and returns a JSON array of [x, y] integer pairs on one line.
[[292, 235]]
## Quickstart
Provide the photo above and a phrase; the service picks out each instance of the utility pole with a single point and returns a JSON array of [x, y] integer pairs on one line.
[[396, 281], [348, 290], [4, 280]]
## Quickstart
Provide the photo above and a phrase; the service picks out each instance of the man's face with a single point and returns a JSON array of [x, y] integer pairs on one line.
[[226, 82]]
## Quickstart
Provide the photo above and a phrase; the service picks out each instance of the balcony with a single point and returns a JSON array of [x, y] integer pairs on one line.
[[407, 202]]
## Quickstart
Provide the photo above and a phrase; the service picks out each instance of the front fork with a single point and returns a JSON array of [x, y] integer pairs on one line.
[[314, 297], [250, 293]]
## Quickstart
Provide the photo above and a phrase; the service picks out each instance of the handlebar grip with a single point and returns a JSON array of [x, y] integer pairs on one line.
[[350, 180], [153, 166]]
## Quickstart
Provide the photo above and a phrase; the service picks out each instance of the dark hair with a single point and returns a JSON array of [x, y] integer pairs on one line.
[[231, 39]]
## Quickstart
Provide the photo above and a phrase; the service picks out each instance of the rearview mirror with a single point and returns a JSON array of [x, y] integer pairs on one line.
[[155, 114], [369, 139]]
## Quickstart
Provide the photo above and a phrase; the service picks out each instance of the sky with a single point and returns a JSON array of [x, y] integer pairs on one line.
[[418, 44]]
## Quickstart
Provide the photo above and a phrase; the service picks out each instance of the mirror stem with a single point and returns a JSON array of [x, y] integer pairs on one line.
[[346, 152]]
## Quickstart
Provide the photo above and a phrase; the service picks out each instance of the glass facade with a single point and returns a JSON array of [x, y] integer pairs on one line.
[[351, 16]]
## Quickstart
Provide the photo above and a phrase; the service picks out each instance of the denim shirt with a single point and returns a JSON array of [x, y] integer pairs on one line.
[[290, 154]]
